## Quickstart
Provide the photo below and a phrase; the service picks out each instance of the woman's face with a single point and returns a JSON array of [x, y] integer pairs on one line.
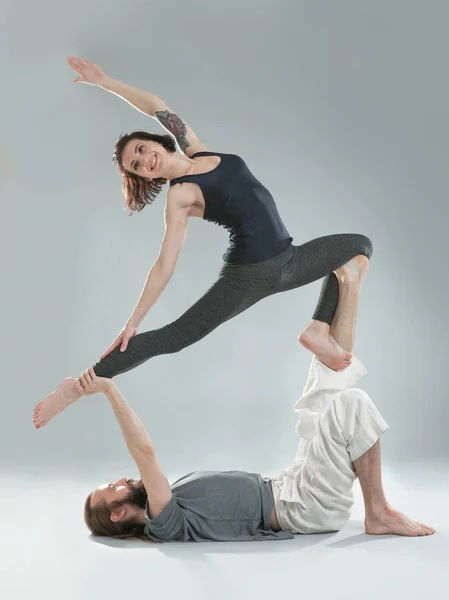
[[146, 159]]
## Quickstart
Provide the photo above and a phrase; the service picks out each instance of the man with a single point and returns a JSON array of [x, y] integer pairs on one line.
[[339, 428]]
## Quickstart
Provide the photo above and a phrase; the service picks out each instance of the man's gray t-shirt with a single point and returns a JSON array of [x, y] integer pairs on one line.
[[225, 506]]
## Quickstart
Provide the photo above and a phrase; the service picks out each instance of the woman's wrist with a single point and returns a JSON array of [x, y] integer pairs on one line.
[[107, 83], [133, 321]]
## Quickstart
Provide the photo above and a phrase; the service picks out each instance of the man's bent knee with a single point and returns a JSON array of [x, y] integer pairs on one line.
[[352, 402], [355, 395]]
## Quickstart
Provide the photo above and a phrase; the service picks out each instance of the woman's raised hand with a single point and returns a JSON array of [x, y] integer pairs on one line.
[[121, 340], [88, 72]]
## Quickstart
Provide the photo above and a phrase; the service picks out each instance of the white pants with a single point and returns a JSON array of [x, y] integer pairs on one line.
[[337, 425]]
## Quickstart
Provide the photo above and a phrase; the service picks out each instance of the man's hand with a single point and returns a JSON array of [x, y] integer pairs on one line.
[[91, 384]]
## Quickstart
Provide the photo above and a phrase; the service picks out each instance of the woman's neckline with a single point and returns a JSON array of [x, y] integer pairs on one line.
[[204, 153]]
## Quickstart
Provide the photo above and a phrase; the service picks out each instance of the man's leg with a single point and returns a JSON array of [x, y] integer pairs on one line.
[[380, 518]]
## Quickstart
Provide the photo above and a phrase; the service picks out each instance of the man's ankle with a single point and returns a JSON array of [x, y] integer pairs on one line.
[[376, 508]]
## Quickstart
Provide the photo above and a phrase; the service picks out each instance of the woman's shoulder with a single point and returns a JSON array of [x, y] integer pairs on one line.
[[181, 194]]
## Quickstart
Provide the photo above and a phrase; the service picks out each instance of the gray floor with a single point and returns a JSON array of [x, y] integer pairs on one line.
[[45, 551]]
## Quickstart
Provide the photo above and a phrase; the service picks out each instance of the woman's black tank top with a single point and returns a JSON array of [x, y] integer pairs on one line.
[[237, 201]]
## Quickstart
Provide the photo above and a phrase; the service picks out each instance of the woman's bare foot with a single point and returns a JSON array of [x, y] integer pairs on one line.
[[67, 393], [389, 521], [316, 339]]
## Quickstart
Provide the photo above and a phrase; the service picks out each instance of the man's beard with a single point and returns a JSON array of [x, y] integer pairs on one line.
[[137, 494]]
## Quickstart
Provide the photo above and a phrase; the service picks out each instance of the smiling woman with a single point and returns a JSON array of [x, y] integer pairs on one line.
[[140, 191], [259, 262]]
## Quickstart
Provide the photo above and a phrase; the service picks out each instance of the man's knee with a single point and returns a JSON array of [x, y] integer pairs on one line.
[[352, 406], [356, 397]]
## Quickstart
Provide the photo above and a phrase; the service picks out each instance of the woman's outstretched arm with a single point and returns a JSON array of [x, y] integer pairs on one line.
[[145, 102], [176, 215]]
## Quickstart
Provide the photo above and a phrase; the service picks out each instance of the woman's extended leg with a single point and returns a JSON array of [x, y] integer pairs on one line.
[[237, 288], [227, 298]]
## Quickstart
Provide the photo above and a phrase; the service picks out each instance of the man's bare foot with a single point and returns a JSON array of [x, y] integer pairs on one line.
[[67, 393], [353, 271], [389, 521], [316, 339]]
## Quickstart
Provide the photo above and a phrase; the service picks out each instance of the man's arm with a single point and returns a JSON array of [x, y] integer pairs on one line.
[[137, 439], [142, 450]]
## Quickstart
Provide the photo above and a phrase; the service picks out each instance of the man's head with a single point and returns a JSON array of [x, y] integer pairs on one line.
[[117, 509]]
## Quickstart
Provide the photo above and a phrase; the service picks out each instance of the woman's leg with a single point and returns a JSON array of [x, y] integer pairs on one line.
[[235, 291], [320, 258], [342, 249], [332, 257], [223, 301], [316, 337]]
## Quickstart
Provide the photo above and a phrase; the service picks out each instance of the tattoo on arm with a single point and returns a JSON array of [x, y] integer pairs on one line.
[[174, 125]]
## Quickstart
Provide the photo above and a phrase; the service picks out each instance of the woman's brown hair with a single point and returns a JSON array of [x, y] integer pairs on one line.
[[139, 191]]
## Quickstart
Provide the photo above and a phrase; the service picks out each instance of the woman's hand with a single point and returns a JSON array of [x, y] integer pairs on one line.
[[92, 384], [121, 340], [88, 72]]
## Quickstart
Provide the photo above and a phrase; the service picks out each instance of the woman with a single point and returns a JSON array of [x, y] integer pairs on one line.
[[259, 262]]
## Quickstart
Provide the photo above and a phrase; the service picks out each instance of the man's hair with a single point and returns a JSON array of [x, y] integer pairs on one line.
[[98, 520], [140, 191]]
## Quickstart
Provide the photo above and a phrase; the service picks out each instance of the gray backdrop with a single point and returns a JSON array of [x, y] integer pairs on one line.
[[340, 108]]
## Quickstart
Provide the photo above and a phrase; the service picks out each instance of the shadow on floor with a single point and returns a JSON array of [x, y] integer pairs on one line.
[[193, 551], [349, 537]]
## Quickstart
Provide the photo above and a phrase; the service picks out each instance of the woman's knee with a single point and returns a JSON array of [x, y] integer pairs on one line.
[[365, 246]]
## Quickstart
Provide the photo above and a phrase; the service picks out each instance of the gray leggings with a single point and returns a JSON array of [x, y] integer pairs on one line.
[[240, 286]]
